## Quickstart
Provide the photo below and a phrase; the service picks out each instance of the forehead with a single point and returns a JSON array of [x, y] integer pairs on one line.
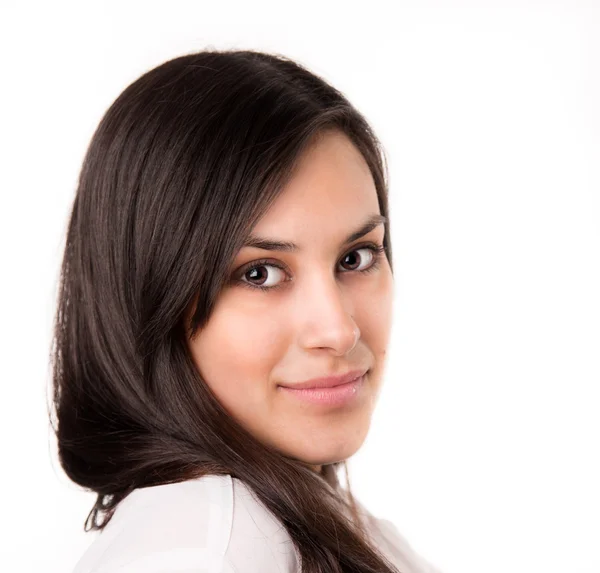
[[331, 188]]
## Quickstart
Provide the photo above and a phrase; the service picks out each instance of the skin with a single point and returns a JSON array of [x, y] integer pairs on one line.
[[327, 318]]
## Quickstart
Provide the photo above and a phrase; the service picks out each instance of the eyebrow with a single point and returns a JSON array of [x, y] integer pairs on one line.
[[289, 247]]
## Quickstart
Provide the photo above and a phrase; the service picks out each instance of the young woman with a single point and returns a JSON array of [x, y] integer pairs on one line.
[[222, 324]]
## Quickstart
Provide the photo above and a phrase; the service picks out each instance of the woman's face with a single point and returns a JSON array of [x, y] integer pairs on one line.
[[320, 316]]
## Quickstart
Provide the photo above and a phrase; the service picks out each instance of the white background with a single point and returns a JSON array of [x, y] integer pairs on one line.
[[484, 449]]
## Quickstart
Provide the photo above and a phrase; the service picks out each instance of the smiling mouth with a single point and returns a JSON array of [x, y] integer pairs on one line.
[[328, 381], [340, 395]]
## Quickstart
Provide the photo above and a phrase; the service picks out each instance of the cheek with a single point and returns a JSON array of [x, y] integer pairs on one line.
[[235, 354], [374, 312]]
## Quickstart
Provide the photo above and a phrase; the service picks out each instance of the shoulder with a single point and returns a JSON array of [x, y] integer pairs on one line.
[[394, 545], [259, 542], [182, 526], [401, 550], [213, 524]]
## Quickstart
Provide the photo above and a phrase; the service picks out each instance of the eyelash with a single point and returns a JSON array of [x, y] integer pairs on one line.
[[375, 248]]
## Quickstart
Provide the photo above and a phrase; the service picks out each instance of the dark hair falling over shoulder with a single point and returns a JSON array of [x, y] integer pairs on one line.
[[181, 167]]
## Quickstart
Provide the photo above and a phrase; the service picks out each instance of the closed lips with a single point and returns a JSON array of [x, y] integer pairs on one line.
[[328, 381]]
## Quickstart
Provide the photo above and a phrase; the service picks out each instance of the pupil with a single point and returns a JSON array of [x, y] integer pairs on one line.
[[255, 272], [352, 256]]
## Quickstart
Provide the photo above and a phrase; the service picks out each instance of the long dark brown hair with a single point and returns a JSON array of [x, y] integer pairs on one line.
[[180, 168]]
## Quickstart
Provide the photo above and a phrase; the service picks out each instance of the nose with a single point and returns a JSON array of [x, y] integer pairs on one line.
[[327, 321]]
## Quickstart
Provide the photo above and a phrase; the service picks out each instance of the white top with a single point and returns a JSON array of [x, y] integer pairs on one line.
[[212, 524]]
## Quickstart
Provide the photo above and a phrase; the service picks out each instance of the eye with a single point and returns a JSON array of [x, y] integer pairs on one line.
[[258, 273], [371, 255], [268, 279]]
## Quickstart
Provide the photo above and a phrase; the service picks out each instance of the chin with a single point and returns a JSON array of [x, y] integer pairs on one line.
[[331, 455]]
